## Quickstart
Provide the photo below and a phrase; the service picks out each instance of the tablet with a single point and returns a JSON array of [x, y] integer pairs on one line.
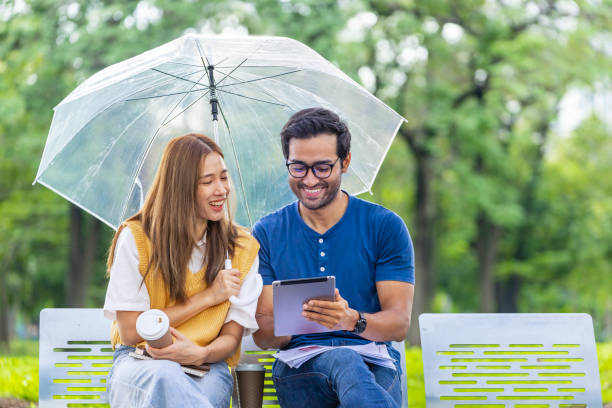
[[289, 297]]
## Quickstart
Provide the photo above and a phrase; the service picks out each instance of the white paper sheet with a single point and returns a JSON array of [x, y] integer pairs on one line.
[[371, 353]]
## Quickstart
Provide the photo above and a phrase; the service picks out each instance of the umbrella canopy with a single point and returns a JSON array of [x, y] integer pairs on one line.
[[108, 135]]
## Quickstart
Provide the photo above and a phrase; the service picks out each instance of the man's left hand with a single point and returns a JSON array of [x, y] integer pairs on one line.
[[335, 315], [183, 350]]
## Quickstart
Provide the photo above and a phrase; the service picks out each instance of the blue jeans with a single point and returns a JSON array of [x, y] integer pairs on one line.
[[338, 378], [134, 383]]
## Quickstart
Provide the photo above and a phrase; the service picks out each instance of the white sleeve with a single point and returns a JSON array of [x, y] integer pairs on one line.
[[245, 315], [125, 288]]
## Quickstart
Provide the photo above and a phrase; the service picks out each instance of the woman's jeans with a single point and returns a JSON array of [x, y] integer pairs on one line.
[[134, 383], [338, 377]]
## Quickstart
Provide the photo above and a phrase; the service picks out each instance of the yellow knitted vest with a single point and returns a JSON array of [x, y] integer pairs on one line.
[[205, 326]]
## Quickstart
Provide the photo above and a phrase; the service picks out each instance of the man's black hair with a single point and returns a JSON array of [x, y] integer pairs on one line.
[[311, 122]]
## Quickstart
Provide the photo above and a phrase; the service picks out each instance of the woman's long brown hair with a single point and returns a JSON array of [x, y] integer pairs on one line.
[[169, 217]]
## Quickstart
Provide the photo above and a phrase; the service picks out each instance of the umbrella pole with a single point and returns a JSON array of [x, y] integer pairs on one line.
[[214, 102]]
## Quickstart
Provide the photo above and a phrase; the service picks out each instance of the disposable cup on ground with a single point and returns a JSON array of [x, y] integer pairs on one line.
[[250, 384]]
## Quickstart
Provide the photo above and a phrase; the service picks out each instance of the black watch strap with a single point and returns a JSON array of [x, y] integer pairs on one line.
[[360, 325]]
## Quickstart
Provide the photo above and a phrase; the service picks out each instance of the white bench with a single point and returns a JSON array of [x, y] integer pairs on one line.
[[518, 360], [75, 356]]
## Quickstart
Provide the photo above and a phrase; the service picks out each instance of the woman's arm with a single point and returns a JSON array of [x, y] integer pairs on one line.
[[226, 284], [186, 352], [225, 344]]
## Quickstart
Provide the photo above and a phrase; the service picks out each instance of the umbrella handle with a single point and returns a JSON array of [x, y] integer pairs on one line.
[[258, 285]]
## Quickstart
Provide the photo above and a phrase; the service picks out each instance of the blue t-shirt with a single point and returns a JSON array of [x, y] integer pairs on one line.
[[368, 244]]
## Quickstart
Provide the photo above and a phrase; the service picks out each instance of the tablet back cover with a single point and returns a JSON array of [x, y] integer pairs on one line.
[[289, 297]]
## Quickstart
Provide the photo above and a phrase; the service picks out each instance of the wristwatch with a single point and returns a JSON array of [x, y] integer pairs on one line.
[[360, 325]]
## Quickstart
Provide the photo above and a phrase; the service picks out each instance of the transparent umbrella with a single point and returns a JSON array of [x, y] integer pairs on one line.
[[107, 136]]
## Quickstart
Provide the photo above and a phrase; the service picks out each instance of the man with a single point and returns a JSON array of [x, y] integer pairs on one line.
[[365, 246]]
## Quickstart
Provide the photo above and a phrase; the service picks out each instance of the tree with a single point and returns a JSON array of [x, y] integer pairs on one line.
[[468, 77]]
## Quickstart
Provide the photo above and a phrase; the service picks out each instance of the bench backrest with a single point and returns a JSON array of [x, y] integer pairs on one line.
[[75, 356], [510, 360]]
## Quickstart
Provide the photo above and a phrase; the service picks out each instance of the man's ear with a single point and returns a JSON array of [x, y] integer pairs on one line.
[[346, 162]]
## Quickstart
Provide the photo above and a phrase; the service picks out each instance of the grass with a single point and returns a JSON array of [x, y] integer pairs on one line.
[[19, 377], [19, 373]]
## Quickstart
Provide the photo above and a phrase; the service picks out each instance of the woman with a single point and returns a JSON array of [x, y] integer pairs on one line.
[[170, 256]]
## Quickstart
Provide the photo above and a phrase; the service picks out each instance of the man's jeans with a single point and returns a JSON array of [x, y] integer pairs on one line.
[[338, 377], [134, 383]]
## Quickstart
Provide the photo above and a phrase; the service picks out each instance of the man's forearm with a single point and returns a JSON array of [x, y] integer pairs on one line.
[[386, 325], [264, 337], [393, 321]]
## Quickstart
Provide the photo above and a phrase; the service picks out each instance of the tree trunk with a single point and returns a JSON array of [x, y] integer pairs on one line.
[[487, 243], [4, 319], [83, 243], [425, 279], [509, 288], [507, 294]]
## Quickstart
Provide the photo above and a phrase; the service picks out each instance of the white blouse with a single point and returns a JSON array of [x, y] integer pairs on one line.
[[125, 291]]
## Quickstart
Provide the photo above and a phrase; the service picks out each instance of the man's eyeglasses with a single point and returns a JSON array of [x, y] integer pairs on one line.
[[320, 170]]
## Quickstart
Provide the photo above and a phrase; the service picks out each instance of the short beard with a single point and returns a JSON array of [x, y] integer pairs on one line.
[[326, 201]]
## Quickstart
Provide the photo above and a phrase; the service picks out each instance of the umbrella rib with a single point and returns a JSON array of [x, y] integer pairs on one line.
[[183, 111], [165, 82], [260, 89], [246, 203], [182, 63], [164, 95], [243, 61], [202, 57], [224, 119], [259, 79], [99, 112], [254, 66], [231, 72], [255, 99], [181, 100], [146, 152], [178, 77], [223, 60]]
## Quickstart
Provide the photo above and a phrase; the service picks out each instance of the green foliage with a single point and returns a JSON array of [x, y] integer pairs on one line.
[[22, 348]]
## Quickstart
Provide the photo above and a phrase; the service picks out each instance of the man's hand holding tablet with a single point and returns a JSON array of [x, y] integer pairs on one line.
[[335, 315], [291, 296]]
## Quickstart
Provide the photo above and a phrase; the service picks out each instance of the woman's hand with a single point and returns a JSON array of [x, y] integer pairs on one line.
[[183, 351], [226, 284]]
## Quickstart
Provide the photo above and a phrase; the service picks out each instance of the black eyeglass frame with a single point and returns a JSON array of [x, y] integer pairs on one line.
[[312, 168]]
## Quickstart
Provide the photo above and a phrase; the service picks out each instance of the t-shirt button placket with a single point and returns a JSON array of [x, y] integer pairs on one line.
[[322, 255]]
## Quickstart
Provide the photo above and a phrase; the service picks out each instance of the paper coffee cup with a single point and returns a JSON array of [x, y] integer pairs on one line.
[[250, 383], [154, 327]]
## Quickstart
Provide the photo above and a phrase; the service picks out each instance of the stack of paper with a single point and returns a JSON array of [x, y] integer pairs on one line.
[[371, 353]]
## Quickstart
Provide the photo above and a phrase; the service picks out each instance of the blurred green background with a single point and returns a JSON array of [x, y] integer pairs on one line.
[[502, 174]]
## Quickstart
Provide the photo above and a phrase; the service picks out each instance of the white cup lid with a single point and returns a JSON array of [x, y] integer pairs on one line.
[[152, 324]]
